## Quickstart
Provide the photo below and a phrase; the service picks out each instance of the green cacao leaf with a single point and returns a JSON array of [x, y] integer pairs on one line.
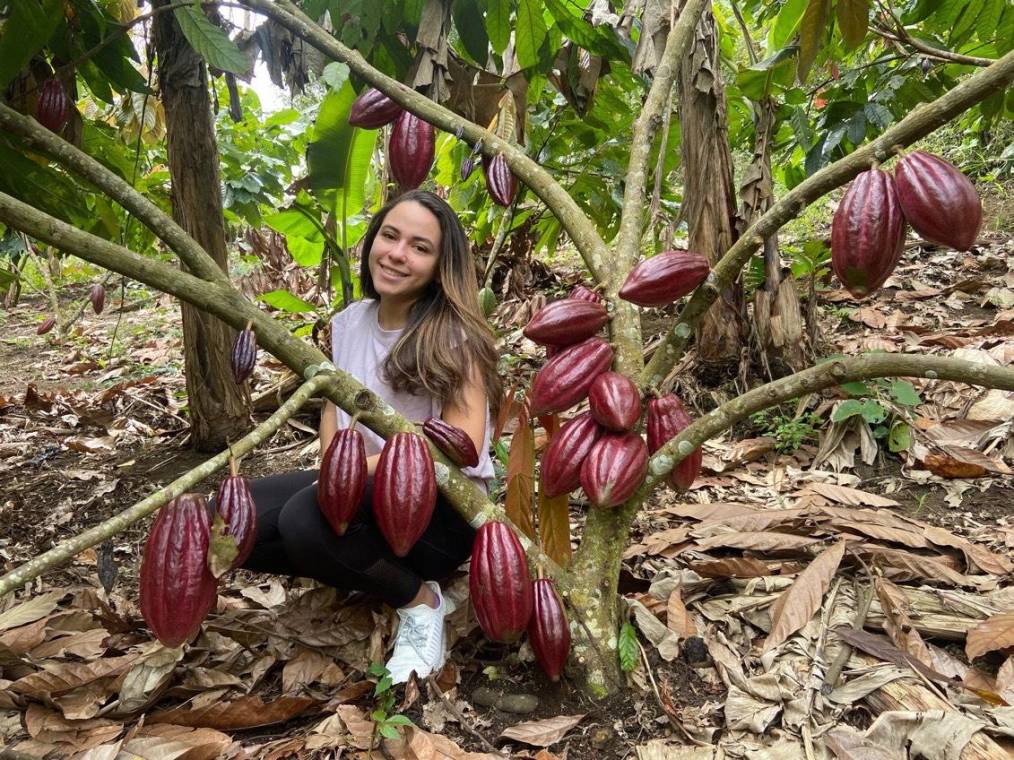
[[286, 301], [471, 29], [26, 31], [853, 19], [812, 30], [905, 393], [900, 437], [213, 45], [530, 32], [498, 24], [786, 23], [627, 647]]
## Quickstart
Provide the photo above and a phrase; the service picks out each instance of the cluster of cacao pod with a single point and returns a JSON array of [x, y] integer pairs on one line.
[[868, 228]]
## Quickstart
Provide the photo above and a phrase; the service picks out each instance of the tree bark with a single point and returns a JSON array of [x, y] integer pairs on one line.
[[218, 409]]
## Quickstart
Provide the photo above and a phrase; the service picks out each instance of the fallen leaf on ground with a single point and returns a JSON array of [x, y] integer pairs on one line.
[[990, 635], [542, 733], [795, 606]]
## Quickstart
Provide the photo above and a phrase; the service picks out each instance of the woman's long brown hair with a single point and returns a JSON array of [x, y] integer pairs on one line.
[[446, 335]]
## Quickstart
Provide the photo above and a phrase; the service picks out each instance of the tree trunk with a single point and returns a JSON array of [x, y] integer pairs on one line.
[[218, 410], [709, 199]]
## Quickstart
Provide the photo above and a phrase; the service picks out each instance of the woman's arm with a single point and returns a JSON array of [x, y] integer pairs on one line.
[[468, 411]]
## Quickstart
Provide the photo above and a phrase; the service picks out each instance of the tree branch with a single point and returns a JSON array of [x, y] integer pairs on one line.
[[923, 120]]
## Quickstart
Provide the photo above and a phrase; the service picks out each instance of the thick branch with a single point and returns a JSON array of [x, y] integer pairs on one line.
[[923, 120], [577, 224], [900, 34]]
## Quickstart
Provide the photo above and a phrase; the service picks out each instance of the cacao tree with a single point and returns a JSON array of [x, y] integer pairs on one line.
[[586, 581]]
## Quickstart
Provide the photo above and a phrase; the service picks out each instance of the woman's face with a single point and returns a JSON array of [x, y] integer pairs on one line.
[[405, 253]]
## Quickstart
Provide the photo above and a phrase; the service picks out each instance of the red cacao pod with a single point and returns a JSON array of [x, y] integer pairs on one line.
[[342, 481], [236, 505], [565, 379], [548, 631], [939, 201], [867, 233], [177, 588], [565, 322], [373, 109], [47, 324], [500, 180], [404, 491], [614, 401], [453, 441], [410, 150], [53, 106], [662, 279], [499, 583], [244, 355], [566, 452], [97, 296], [582, 293], [667, 418], [614, 469]]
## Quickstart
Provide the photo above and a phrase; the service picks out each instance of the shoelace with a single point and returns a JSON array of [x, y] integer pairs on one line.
[[417, 636]]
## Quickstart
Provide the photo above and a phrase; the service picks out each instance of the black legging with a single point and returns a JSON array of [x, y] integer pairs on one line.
[[294, 538]]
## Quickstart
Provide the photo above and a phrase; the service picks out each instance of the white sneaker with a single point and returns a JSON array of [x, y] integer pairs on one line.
[[420, 644]]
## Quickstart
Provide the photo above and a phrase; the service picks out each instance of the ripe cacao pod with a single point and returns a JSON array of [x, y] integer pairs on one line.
[[566, 452], [47, 324], [549, 632], [582, 293], [565, 322], [614, 401], [565, 379], [500, 180], [244, 354], [97, 296], [867, 233], [499, 583], [53, 106], [236, 505], [662, 279], [177, 588], [342, 481], [453, 441], [404, 491], [667, 418], [939, 201], [614, 469], [487, 302], [410, 150], [373, 109]]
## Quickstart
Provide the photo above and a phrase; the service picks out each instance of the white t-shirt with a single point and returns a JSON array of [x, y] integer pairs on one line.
[[359, 345]]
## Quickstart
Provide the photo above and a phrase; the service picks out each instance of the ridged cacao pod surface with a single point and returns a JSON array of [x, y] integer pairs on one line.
[[549, 632], [667, 418], [582, 293], [236, 505], [614, 401], [499, 583], [564, 380], [53, 106], [566, 452], [97, 296], [867, 233], [500, 180], [566, 322], [487, 302], [404, 491], [939, 201], [453, 441], [662, 279], [177, 588], [342, 481], [244, 355], [373, 109], [614, 469], [410, 150], [47, 324]]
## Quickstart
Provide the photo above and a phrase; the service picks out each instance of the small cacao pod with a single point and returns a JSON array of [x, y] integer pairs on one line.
[[453, 441], [97, 296], [373, 109], [564, 380], [667, 418], [244, 354], [177, 588], [47, 324], [53, 106], [342, 481], [548, 631], [499, 583], [236, 505], [867, 233], [582, 293], [404, 491], [500, 180], [566, 452], [614, 401], [565, 322], [662, 279], [410, 150], [939, 201], [614, 469], [487, 302]]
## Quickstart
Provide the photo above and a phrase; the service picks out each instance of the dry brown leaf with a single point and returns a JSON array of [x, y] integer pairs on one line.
[[143, 683], [944, 466], [992, 634], [758, 541], [542, 733], [732, 567], [84, 644], [796, 605], [899, 627], [303, 669], [1005, 681], [25, 637], [846, 495], [167, 742], [59, 677], [904, 536], [49, 726], [975, 555], [677, 618], [714, 511], [752, 523], [910, 566], [31, 610], [882, 648], [245, 712]]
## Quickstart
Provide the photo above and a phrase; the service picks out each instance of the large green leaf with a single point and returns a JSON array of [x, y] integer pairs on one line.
[[26, 31], [471, 29], [211, 42], [286, 301], [498, 24], [303, 238], [530, 32], [853, 19], [812, 31], [786, 23], [602, 40]]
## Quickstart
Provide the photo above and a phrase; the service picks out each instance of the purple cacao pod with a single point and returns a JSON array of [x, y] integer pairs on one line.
[[566, 322], [373, 109], [667, 418], [564, 380], [500, 180], [236, 505], [411, 150], [566, 452], [342, 482], [453, 441], [614, 469], [548, 631], [614, 401], [404, 491], [499, 583], [940, 202], [662, 279]]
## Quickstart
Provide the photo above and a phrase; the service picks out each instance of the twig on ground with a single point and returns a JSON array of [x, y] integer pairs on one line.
[[435, 690], [666, 705]]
